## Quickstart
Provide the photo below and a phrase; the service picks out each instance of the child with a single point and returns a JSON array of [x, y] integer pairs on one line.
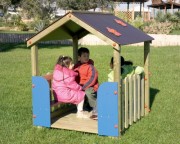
[[126, 69], [88, 78], [64, 86]]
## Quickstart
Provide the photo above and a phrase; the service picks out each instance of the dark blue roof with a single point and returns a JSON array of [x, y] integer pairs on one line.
[[101, 22]]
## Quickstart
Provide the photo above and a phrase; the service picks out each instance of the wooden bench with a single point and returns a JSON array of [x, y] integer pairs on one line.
[[57, 108], [49, 78]]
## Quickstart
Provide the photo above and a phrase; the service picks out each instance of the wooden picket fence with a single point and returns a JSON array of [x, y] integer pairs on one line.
[[133, 99]]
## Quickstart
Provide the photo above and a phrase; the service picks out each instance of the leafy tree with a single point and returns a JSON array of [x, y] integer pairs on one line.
[[14, 2], [5, 4], [38, 9], [82, 4]]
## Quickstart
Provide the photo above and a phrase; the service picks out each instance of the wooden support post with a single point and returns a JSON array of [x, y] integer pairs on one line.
[[146, 70], [152, 14], [75, 49], [143, 15], [128, 6], [172, 8], [165, 10], [140, 9], [117, 73], [34, 60], [133, 15]]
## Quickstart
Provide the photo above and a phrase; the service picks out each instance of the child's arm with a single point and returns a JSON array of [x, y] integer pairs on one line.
[[92, 76], [72, 84]]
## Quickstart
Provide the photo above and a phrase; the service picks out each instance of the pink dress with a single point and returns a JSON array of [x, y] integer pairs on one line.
[[64, 86]]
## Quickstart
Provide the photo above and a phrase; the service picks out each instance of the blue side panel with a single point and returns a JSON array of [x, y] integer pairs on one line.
[[41, 102], [108, 109]]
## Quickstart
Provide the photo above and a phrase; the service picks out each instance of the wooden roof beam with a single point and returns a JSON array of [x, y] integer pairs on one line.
[[46, 31], [93, 31]]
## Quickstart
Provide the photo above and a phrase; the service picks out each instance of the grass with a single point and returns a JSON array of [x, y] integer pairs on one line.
[[175, 32], [16, 32], [161, 126]]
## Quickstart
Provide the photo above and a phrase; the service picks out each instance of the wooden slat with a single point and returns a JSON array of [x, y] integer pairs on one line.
[[132, 95], [123, 103], [135, 97], [70, 122], [49, 77], [59, 110], [130, 101], [142, 96], [138, 96], [126, 102], [55, 103]]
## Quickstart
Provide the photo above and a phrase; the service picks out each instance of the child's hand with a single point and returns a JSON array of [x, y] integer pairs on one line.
[[71, 66]]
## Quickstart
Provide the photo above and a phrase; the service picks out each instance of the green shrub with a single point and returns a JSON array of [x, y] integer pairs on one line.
[[160, 17], [22, 26], [159, 28], [138, 22]]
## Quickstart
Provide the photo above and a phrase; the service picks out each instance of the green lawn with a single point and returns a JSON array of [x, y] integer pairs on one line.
[[161, 126], [16, 32]]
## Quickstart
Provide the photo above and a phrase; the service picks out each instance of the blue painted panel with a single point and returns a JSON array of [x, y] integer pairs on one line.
[[108, 109], [41, 101]]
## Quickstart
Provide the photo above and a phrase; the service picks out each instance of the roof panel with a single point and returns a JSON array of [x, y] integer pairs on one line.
[[66, 27], [101, 22]]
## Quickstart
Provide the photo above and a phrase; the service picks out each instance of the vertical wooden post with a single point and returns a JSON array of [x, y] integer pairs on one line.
[[152, 14], [172, 8], [117, 73], [143, 15], [146, 70], [128, 6], [165, 10], [133, 15], [140, 9], [75, 49], [34, 60]]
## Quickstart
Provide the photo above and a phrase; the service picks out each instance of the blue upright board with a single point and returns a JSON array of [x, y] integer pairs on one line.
[[108, 109], [41, 101]]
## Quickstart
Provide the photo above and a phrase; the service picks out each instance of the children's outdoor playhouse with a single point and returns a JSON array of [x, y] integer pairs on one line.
[[120, 103]]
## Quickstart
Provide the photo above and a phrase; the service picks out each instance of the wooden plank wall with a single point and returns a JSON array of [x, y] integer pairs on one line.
[[132, 99]]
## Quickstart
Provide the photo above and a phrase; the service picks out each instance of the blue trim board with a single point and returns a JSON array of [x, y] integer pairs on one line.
[[41, 101], [108, 109]]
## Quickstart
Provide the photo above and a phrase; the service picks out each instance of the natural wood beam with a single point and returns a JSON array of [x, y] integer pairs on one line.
[[34, 60], [117, 73], [75, 49], [46, 31], [91, 30], [146, 71]]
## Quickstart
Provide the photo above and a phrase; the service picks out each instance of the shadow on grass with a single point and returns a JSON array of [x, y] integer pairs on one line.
[[11, 46], [153, 93]]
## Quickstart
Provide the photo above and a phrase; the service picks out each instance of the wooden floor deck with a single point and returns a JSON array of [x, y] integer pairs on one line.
[[70, 122]]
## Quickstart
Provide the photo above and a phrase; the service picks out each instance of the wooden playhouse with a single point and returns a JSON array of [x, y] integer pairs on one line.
[[120, 103]]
